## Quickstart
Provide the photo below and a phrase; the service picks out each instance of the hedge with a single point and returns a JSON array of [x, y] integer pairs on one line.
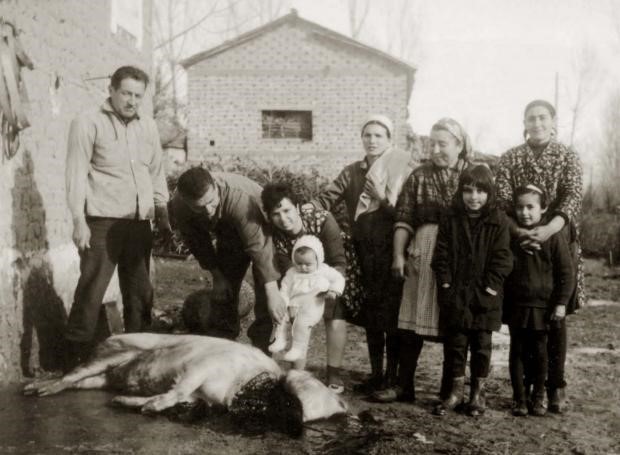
[[306, 184]]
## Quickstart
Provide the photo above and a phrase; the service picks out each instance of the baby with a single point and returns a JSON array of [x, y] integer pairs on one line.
[[304, 288]]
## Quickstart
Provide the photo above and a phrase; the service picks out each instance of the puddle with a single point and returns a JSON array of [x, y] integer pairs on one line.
[[595, 351], [596, 303], [501, 347], [84, 422]]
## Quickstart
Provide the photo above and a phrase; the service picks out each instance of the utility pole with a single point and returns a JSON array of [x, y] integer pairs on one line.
[[557, 97]]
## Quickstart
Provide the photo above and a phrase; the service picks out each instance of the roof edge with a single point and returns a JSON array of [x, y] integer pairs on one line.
[[293, 16]]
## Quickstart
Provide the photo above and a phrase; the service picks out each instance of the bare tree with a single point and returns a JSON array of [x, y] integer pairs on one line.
[[610, 153], [206, 22], [402, 28], [269, 10], [587, 76], [168, 15], [358, 12]]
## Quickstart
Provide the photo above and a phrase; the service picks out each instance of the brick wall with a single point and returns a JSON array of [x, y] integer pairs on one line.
[[68, 40], [292, 68]]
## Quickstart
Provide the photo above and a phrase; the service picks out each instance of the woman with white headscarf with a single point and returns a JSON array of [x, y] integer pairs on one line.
[[370, 188], [427, 194]]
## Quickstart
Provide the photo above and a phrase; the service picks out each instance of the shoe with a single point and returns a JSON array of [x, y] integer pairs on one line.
[[519, 408], [334, 381], [454, 398], [392, 394], [537, 408], [75, 354], [557, 400], [277, 346], [336, 388], [278, 338], [477, 402], [369, 385], [292, 355]]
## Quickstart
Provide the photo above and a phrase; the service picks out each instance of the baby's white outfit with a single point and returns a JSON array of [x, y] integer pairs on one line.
[[301, 290]]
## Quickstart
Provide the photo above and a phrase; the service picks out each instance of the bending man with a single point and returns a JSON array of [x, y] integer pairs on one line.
[[226, 208]]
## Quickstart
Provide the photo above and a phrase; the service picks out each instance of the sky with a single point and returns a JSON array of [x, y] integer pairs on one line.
[[482, 61]]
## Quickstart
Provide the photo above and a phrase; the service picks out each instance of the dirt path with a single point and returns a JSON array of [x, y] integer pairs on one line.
[[83, 423], [592, 425]]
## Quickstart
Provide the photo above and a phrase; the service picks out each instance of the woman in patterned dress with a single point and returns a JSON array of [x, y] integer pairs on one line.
[[427, 195], [288, 224], [364, 187], [548, 164]]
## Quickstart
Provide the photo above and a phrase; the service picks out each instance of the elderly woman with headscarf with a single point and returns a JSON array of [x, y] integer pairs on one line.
[[556, 168], [370, 188], [426, 196]]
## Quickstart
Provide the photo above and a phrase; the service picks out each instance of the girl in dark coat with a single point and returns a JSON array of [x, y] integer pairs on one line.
[[537, 293], [472, 258]]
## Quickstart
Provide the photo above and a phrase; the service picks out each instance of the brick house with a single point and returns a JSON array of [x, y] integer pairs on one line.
[[74, 45], [292, 92]]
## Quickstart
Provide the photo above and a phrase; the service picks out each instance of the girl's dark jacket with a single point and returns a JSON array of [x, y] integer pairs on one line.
[[541, 278], [471, 260]]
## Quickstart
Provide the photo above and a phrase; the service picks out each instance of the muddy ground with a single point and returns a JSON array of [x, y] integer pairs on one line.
[[81, 422]]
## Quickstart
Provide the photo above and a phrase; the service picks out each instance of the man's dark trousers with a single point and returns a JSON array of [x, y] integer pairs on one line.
[[123, 242], [233, 262]]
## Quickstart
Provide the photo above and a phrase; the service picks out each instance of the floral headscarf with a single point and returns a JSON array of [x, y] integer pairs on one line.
[[453, 127]]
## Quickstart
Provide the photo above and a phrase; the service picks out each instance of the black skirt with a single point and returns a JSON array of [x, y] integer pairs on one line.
[[373, 235]]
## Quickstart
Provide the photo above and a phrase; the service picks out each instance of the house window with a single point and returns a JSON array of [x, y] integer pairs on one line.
[[287, 124]]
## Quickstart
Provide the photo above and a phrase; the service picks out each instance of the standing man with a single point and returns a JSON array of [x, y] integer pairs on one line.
[[115, 185], [226, 207]]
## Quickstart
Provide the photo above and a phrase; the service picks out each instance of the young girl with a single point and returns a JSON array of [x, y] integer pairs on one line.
[[472, 259], [537, 292], [304, 288]]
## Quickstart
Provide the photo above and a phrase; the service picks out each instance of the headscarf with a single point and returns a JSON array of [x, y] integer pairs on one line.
[[382, 120], [542, 103], [312, 242], [453, 127], [388, 172]]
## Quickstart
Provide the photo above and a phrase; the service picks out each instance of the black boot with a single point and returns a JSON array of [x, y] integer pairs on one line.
[[537, 407], [520, 397], [391, 367], [376, 341], [557, 400], [446, 384], [75, 353], [404, 389], [519, 408], [454, 396], [477, 402]]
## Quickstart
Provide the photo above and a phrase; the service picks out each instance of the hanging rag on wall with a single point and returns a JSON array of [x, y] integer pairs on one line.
[[13, 96]]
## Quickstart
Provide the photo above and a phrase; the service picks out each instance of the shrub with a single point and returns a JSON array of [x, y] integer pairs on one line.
[[307, 183], [600, 234]]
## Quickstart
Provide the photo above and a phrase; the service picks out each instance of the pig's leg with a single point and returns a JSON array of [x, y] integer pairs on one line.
[[188, 383], [94, 382], [139, 402], [95, 367], [130, 401]]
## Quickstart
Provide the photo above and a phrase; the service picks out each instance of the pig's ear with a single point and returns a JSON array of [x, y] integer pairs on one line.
[[265, 403], [317, 401]]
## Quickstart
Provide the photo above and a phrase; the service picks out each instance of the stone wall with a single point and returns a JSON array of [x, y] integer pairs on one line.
[[73, 50], [292, 68]]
